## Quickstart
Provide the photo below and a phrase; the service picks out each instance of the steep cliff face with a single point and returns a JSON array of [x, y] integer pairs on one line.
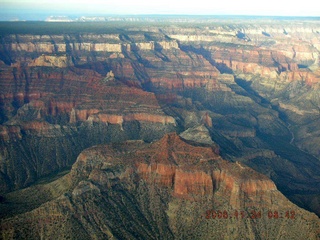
[[50, 114], [58, 88], [251, 87], [171, 189], [263, 50]]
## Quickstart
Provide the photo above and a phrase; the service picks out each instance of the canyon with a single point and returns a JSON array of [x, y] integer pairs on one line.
[[163, 121], [169, 187]]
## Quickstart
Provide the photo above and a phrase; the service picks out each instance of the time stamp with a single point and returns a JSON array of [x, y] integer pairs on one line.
[[253, 214]]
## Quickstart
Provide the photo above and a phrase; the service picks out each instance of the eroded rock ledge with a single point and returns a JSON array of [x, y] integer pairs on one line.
[[159, 186]]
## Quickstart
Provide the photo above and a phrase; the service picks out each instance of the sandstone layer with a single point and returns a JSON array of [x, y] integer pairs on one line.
[[167, 189], [252, 87]]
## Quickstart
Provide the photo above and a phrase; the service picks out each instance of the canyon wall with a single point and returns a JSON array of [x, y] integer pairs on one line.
[[178, 190], [249, 89]]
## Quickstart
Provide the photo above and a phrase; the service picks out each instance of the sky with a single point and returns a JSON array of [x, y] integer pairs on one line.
[[39, 9]]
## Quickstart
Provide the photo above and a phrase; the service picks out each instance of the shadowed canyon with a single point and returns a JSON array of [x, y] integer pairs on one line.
[[160, 130]]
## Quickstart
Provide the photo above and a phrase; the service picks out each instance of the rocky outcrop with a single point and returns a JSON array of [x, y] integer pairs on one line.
[[250, 87], [183, 167], [8, 133], [198, 134], [119, 119], [64, 107], [154, 185], [306, 76], [51, 61]]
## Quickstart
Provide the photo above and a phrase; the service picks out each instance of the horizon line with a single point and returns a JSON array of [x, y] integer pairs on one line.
[[75, 17]]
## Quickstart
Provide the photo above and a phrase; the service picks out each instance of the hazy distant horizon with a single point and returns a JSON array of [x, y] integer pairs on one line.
[[43, 16], [40, 10]]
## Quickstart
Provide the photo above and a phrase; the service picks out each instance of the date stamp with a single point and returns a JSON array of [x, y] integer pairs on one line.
[[251, 214]]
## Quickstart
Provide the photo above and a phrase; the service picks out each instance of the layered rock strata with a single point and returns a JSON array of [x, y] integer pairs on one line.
[[253, 84], [171, 189]]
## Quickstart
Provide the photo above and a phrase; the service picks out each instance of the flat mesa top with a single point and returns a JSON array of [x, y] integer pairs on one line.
[[111, 25]]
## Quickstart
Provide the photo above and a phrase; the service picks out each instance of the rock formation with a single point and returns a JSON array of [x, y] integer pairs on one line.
[[249, 89], [165, 189]]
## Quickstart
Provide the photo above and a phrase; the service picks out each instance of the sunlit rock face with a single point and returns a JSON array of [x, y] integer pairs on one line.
[[156, 183], [249, 89], [65, 110]]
